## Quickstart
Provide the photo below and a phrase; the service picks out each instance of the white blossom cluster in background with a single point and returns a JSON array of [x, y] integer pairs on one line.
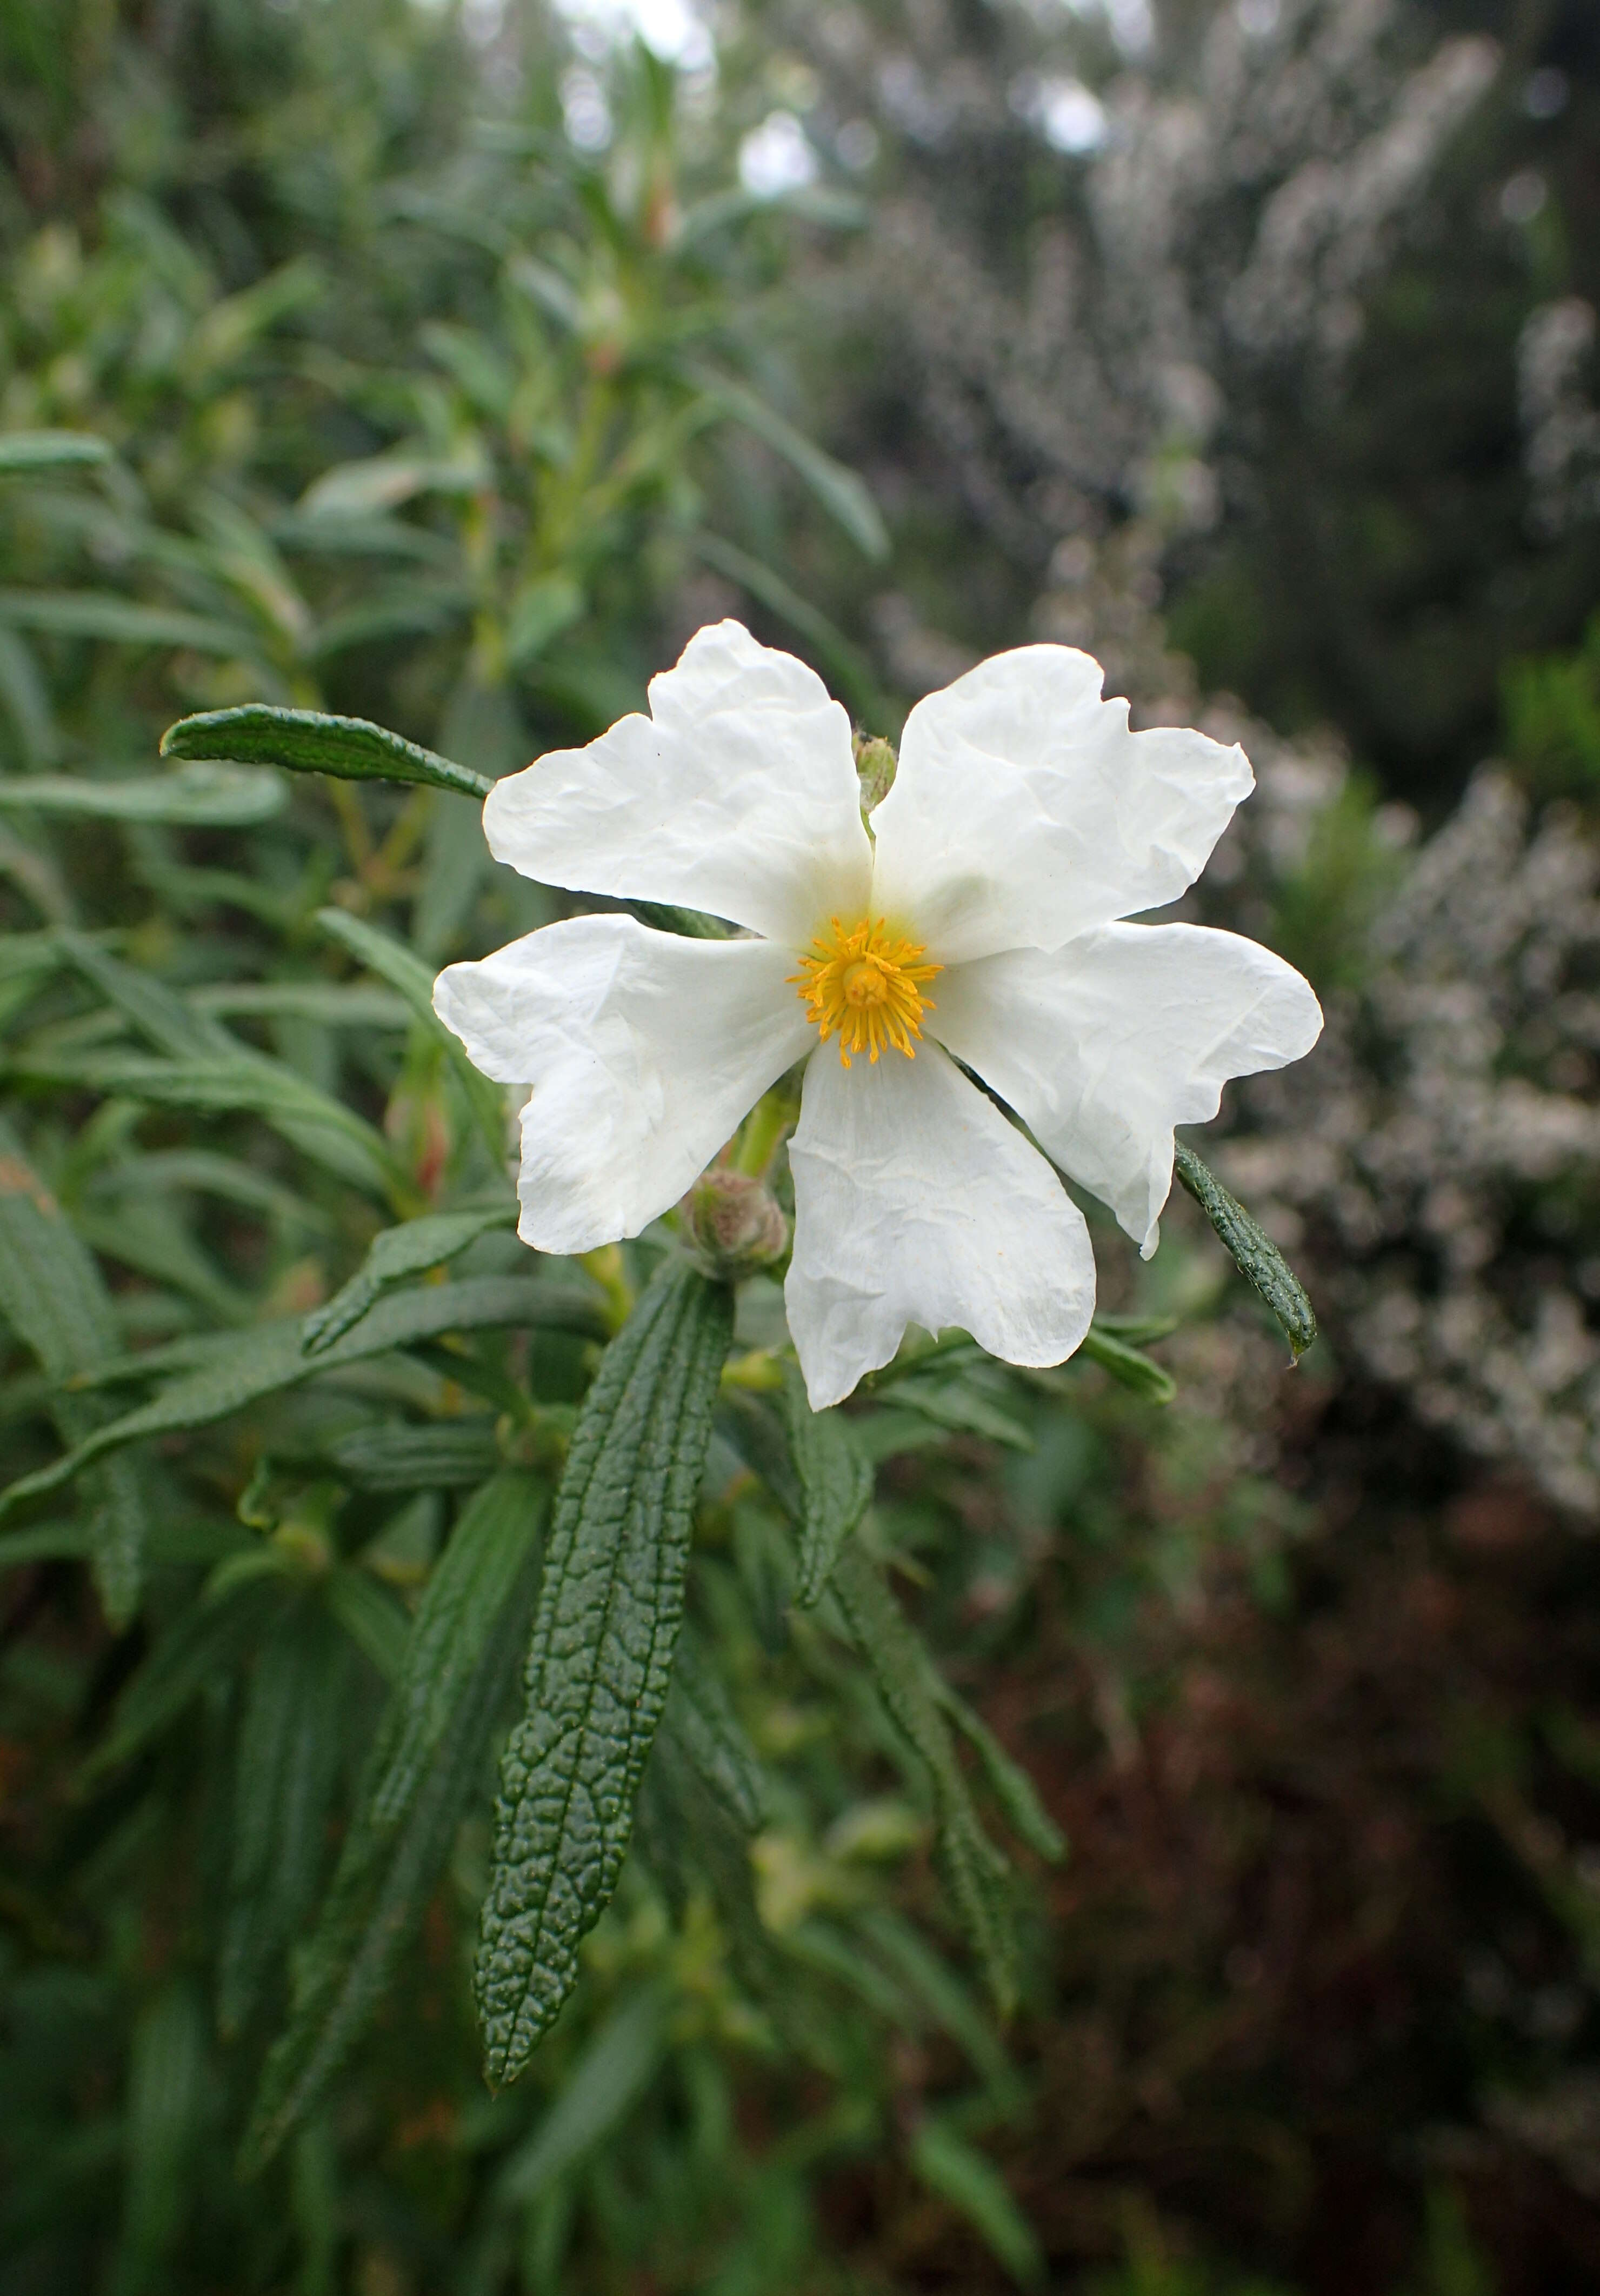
[[1560, 422], [1436, 1162], [1233, 202]]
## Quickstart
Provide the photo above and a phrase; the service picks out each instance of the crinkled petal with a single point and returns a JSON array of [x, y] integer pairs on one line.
[[1104, 1046], [643, 1050], [1024, 811], [916, 1202], [737, 794]]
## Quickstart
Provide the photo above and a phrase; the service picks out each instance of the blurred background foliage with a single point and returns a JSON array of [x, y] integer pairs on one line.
[[450, 366]]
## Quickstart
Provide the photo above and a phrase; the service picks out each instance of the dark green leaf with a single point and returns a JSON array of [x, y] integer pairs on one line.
[[195, 796], [239, 1369], [1125, 1365], [393, 1258], [841, 494], [600, 1657], [1011, 1785], [908, 1685], [1254, 1254], [419, 1778], [166, 2099], [101, 614], [404, 971], [705, 1726], [607, 2080], [285, 1764], [397, 1456], [835, 1481], [53, 1296], [306, 741], [951, 2168]]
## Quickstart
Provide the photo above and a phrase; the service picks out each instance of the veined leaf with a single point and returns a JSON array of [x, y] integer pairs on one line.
[[430, 1747], [835, 1481], [600, 1657], [1253, 1252], [1010, 1784], [199, 796], [53, 1296], [706, 1727], [406, 972], [906, 1676], [285, 1770], [28, 452], [307, 742], [394, 1257], [445, 1454], [239, 1369]]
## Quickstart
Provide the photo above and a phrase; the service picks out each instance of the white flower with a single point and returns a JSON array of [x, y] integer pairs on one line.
[[977, 922]]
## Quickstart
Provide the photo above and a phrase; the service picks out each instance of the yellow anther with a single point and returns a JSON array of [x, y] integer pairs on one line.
[[863, 984]]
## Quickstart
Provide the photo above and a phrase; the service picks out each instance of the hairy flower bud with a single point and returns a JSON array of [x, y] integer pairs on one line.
[[733, 1225], [875, 764]]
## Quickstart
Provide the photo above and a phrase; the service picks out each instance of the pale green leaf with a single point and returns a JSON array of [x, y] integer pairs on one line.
[[195, 796], [1253, 1252]]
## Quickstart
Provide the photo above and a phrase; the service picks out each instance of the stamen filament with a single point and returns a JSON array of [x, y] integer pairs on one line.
[[863, 984]]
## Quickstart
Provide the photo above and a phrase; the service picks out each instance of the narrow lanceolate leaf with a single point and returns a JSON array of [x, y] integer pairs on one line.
[[51, 1295], [287, 1759], [835, 1482], [907, 1683], [600, 1657], [420, 1777], [239, 1369], [102, 614], [1254, 1254], [31, 451], [196, 797], [705, 1726], [608, 2079], [306, 741], [1131, 1369], [394, 1257], [405, 970], [1010, 1784]]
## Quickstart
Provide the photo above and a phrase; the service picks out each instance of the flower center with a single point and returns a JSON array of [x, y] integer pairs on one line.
[[863, 984]]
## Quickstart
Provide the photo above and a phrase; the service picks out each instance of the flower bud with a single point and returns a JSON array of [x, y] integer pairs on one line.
[[734, 1224], [875, 764]]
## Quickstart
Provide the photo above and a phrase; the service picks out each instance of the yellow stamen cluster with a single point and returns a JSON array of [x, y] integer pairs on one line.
[[863, 984]]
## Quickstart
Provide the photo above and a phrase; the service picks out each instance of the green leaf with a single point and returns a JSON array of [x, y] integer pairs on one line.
[[702, 1721], [950, 2167], [406, 972], [1254, 1254], [1138, 1373], [102, 614], [908, 1684], [166, 2101], [612, 2073], [205, 1642], [835, 1482], [600, 1657], [423, 1769], [841, 494], [31, 451], [285, 1765], [960, 1406], [53, 1298], [393, 1258], [306, 741], [239, 1369], [196, 797], [447, 1455], [372, 1616], [1011, 1785]]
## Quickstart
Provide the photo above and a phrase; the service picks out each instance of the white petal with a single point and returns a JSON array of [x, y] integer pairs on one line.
[[1024, 811], [644, 1051], [1104, 1046], [916, 1202], [737, 794]]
